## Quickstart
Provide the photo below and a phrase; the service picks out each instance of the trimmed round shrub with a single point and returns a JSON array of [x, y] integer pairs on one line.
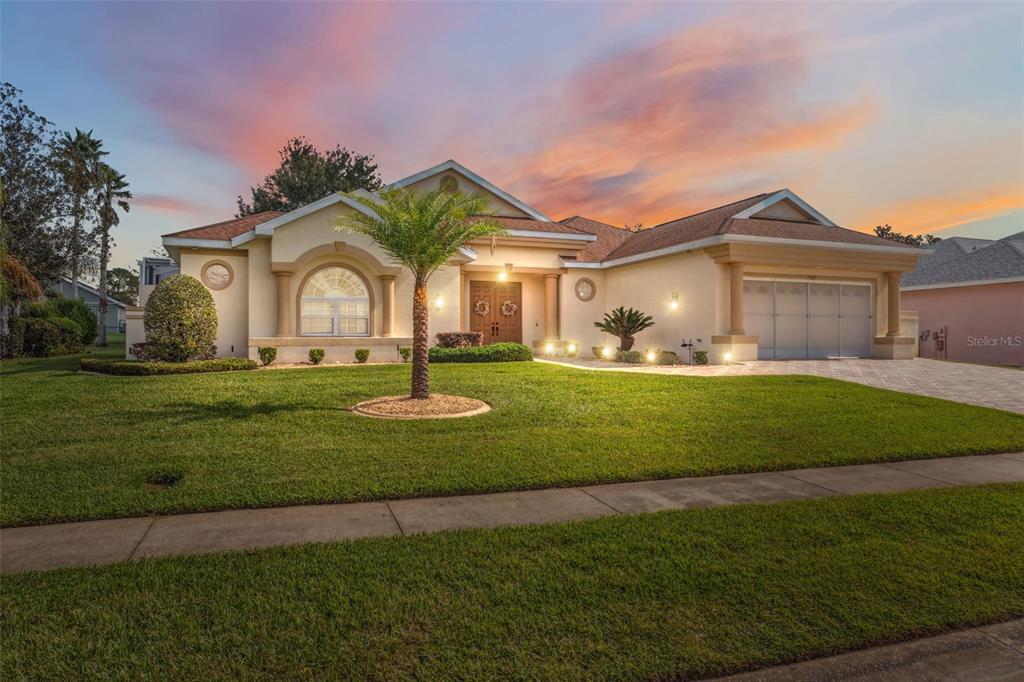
[[630, 356], [267, 354], [405, 352], [42, 338], [316, 355], [77, 310], [70, 334], [180, 320], [667, 357], [700, 357], [362, 355]]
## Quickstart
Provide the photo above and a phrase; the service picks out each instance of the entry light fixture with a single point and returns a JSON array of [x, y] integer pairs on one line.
[[503, 275]]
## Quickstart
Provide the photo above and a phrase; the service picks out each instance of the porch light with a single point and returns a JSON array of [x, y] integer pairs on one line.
[[606, 352], [651, 356], [502, 276], [549, 348]]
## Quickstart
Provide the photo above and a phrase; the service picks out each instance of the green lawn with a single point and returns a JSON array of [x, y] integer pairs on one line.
[[645, 597], [79, 446]]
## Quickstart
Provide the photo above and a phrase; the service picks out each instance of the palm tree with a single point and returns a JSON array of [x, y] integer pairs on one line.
[[78, 157], [111, 193], [421, 231], [625, 324]]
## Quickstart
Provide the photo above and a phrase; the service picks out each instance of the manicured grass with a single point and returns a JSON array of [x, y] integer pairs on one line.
[[683, 594], [77, 446]]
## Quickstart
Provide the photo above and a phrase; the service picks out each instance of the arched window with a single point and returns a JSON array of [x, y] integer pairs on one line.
[[335, 302]]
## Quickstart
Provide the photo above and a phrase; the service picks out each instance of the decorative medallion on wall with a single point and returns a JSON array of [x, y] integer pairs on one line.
[[585, 289], [508, 308], [482, 308], [217, 275]]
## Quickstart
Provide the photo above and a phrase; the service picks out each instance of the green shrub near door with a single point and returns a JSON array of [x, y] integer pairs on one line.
[[496, 352]]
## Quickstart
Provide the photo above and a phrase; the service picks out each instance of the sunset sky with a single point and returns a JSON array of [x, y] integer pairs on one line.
[[910, 114]]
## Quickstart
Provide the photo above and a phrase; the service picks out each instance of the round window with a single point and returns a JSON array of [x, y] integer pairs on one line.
[[217, 275], [585, 289], [449, 184]]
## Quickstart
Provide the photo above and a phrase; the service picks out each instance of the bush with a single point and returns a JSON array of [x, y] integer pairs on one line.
[[362, 355], [70, 334], [405, 352], [78, 311], [42, 338], [700, 357], [140, 351], [667, 357], [316, 355], [630, 356], [267, 354], [137, 368], [181, 320], [496, 352], [460, 339], [12, 342], [572, 350], [598, 352]]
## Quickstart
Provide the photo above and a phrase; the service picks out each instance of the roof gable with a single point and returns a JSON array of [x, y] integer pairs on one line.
[[455, 167]]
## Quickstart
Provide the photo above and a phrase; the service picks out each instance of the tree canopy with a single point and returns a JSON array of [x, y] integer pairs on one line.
[[886, 232], [306, 174]]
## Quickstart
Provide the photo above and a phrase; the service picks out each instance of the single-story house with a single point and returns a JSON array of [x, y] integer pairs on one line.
[[115, 309], [152, 269], [969, 295], [768, 276]]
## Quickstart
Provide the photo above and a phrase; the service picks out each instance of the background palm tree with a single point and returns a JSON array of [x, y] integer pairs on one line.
[[78, 157], [422, 231], [111, 193]]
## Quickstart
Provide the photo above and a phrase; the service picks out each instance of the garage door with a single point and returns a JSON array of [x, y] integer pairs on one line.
[[802, 320]]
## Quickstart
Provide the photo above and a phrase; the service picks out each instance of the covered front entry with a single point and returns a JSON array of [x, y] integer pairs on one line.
[[496, 310], [807, 320]]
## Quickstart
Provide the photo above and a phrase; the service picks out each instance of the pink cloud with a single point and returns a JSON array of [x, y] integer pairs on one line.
[[165, 203]]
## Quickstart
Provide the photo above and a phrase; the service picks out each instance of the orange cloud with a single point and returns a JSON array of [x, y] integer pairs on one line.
[[932, 214], [639, 134]]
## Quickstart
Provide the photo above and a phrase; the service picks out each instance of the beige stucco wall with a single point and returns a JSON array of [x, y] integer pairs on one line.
[[520, 256], [232, 302], [578, 317], [498, 205], [262, 290], [782, 210]]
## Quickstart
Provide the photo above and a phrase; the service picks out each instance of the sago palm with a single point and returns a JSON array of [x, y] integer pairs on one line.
[[111, 193], [625, 324], [78, 158], [421, 231]]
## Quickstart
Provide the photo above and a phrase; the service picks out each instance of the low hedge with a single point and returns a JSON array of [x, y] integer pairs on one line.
[[137, 368], [496, 352]]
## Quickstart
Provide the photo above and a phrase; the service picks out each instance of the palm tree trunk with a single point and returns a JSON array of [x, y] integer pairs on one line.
[[420, 340], [104, 255]]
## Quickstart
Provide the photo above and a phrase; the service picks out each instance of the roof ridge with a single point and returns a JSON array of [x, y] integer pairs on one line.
[[709, 210]]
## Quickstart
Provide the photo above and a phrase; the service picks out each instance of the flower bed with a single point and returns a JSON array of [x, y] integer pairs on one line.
[[140, 368]]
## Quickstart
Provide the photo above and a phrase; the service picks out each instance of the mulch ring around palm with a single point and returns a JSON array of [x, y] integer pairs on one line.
[[437, 406]]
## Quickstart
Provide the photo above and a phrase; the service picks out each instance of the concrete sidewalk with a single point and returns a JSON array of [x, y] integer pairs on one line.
[[103, 542], [993, 652]]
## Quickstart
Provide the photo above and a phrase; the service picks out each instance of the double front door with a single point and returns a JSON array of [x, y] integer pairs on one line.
[[496, 310]]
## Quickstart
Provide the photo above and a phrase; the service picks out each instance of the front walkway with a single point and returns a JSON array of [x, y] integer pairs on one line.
[[103, 542], [999, 387], [993, 652]]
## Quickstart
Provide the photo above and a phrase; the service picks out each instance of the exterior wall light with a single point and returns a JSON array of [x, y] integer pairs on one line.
[[438, 303], [651, 356], [502, 276], [549, 348], [674, 303]]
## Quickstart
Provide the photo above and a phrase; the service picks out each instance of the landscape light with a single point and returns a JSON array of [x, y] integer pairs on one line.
[[727, 357], [651, 357], [549, 348], [607, 352], [571, 348]]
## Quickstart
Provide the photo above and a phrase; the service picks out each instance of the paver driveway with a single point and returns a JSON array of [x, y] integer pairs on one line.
[[999, 387]]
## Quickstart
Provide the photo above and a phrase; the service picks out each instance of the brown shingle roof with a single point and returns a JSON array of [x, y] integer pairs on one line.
[[785, 229], [682, 230], [228, 228], [536, 225], [608, 236]]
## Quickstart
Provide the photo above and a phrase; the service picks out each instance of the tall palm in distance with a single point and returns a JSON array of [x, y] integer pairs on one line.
[[78, 158], [421, 231], [111, 193]]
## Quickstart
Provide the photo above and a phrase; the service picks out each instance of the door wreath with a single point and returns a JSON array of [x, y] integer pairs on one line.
[[508, 308], [482, 308]]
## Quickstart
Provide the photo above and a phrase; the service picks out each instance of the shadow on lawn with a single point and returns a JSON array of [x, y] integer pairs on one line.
[[231, 409]]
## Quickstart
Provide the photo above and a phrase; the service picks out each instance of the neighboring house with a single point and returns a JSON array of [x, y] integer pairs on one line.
[[969, 296], [115, 309], [152, 269], [768, 276]]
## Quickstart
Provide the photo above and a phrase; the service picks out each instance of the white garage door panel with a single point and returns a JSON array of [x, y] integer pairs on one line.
[[800, 320]]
